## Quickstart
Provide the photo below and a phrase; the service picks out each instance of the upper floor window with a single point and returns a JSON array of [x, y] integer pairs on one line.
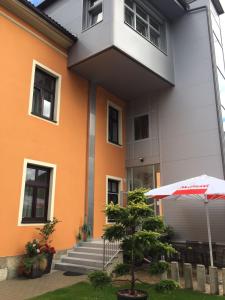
[[93, 12], [43, 94], [141, 127], [150, 27], [36, 194], [114, 125]]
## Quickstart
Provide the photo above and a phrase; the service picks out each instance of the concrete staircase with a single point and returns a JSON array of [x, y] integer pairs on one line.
[[84, 258]]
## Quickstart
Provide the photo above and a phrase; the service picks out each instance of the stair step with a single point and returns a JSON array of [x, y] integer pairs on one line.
[[86, 255], [94, 244], [81, 261], [75, 268], [88, 250]]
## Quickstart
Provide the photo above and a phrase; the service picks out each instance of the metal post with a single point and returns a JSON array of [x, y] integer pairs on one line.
[[209, 231]]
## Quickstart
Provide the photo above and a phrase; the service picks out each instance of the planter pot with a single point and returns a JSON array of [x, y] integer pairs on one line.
[[84, 237], [49, 258], [34, 273], [124, 295]]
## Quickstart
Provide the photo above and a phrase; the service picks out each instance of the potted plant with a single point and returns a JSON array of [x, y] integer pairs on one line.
[[45, 243], [86, 231], [33, 262], [136, 240]]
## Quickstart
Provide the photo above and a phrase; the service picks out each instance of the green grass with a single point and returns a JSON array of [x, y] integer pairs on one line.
[[84, 291]]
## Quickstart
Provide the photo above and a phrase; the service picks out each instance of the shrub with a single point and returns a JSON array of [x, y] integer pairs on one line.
[[167, 286], [121, 269], [99, 279], [159, 267]]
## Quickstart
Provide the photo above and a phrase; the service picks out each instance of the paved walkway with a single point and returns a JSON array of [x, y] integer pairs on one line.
[[21, 289]]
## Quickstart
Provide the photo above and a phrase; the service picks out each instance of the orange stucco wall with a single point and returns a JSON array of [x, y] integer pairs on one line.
[[23, 136], [109, 158]]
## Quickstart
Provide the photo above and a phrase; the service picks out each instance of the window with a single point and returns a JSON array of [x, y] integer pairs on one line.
[[143, 21], [44, 91], [114, 125], [141, 127], [36, 194], [113, 193], [93, 12]]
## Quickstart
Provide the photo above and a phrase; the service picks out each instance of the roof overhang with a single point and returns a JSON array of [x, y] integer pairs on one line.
[[173, 8], [218, 6], [40, 21]]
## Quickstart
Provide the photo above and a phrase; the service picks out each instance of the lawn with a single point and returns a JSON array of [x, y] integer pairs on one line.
[[84, 291]]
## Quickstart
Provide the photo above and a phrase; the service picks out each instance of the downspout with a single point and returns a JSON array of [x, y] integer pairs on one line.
[[215, 81]]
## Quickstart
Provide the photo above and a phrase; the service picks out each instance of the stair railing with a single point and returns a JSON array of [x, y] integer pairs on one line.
[[110, 251]]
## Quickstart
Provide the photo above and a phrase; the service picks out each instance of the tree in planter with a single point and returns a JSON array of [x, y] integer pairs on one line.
[[132, 228], [45, 233]]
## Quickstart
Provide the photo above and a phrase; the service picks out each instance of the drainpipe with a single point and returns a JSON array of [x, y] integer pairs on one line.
[[89, 205]]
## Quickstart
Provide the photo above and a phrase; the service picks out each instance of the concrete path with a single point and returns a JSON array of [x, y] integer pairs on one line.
[[21, 289]]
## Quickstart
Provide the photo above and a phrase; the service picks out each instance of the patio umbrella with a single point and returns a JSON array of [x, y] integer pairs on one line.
[[202, 188]]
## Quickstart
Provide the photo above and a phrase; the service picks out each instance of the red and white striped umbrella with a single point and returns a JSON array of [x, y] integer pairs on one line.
[[209, 188], [202, 188]]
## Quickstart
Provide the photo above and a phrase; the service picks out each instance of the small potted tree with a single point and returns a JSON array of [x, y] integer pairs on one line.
[[86, 230], [130, 228], [45, 243]]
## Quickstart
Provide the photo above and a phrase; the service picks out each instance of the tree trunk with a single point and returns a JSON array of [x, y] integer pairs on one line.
[[132, 273]]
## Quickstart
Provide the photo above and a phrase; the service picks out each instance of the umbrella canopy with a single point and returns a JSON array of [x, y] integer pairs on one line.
[[209, 188], [200, 188]]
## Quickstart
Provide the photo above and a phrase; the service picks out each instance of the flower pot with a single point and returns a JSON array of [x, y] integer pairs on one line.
[[34, 273], [84, 237], [49, 257], [125, 295]]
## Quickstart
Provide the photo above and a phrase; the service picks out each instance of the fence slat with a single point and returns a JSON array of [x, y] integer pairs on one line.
[[201, 278], [175, 271], [188, 276], [213, 280]]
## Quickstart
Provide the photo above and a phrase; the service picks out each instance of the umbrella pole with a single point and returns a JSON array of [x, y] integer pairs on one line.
[[209, 231]]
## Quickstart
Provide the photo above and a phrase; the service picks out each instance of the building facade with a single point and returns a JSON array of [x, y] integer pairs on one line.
[[106, 96]]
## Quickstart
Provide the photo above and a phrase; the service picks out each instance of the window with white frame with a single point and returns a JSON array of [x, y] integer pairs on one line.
[[93, 12], [145, 22], [114, 124], [113, 193], [36, 194]]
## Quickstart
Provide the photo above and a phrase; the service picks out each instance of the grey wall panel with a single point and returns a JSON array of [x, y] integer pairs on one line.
[[188, 217], [147, 148], [188, 127], [132, 43], [187, 114]]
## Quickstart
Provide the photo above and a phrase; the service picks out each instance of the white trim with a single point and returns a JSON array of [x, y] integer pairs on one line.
[[20, 25], [52, 185], [57, 92], [120, 180], [120, 110]]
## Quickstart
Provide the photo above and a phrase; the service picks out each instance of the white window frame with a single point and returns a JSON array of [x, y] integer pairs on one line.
[[119, 109], [51, 197], [57, 100], [120, 180], [87, 13], [150, 14]]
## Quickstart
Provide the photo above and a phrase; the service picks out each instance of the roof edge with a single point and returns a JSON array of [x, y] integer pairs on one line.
[[40, 21], [45, 4]]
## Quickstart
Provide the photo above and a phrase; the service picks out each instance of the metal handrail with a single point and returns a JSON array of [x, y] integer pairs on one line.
[[110, 251]]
